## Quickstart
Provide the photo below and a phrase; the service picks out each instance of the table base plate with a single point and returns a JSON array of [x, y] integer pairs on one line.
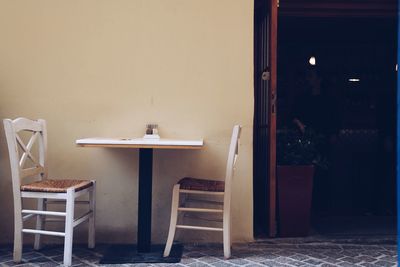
[[128, 254]]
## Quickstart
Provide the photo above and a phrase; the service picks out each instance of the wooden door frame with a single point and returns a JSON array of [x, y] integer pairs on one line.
[[264, 145], [272, 117]]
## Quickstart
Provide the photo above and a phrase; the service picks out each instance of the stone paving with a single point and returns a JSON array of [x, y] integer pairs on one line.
[[269, 252]]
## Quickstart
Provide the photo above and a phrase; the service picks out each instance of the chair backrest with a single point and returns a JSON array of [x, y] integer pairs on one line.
[[232, 156], [24, 163]]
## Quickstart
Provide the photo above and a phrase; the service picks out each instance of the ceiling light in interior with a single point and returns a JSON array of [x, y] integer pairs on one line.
[[312, 61]]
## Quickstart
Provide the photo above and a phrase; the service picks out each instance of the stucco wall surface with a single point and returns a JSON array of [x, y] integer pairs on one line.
[[106, 68]]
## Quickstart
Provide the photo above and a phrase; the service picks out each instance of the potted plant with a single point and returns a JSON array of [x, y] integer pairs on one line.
[[297, 154]]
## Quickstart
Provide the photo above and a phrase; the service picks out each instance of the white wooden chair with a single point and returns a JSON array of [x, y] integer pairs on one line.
[[195, 186], [25, 164]]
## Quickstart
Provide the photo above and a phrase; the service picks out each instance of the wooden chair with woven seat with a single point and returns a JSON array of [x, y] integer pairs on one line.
[[25, 165], [196, 186]]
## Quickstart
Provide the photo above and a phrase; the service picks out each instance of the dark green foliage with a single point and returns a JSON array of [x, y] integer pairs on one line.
[[296, 148]]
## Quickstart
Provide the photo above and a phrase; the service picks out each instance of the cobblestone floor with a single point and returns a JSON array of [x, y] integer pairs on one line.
[[270, 252]]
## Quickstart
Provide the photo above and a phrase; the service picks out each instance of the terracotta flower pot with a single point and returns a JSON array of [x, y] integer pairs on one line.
[[294, 199]]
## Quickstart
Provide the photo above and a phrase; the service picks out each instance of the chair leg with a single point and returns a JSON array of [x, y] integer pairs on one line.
[[40, 223], [92, 218], [227, 234], [69, 227], [174, 218], [18, 238], [227, 245]]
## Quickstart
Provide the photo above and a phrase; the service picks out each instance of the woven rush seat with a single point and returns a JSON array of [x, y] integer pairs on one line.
[[56, 186], [189, 183]]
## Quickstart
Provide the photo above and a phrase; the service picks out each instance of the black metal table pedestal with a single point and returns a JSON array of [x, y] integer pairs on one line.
[[145, 194], [144, 252]]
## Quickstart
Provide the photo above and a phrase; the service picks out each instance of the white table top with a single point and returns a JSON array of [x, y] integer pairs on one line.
[[139, 143]]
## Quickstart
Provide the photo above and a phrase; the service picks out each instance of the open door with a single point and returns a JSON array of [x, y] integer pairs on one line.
[[264, 139]]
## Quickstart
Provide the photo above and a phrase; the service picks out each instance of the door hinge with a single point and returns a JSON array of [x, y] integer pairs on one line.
[[266, 75], [277, 3]]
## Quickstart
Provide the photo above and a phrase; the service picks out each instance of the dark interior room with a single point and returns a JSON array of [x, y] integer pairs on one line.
[[349, 49]]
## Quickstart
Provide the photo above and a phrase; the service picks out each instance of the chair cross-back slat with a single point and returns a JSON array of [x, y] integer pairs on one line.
[[27, 150], [21, 152]]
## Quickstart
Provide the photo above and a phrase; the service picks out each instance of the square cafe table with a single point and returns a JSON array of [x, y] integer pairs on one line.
[[144, 251]]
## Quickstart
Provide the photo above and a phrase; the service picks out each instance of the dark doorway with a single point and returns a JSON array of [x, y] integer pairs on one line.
[[355, 57], [354, 45]]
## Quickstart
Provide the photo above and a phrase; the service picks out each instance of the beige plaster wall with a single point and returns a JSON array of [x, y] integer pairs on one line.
[[106, 68]]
